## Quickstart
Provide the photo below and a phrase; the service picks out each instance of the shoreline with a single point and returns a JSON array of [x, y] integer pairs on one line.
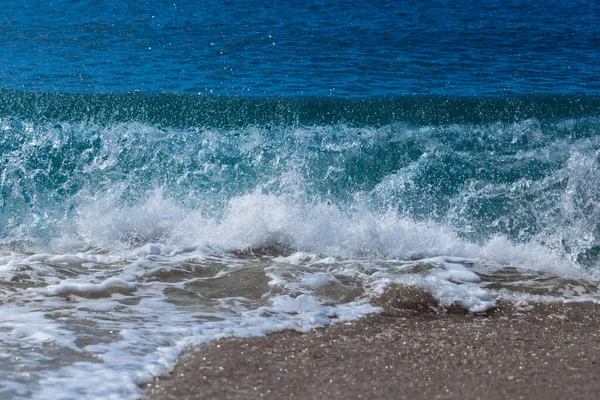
[[414, 349]]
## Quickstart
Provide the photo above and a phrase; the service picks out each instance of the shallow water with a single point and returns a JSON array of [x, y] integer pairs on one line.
[[113, 324]]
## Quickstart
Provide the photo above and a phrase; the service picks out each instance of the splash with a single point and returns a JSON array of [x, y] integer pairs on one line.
[[395, 191]]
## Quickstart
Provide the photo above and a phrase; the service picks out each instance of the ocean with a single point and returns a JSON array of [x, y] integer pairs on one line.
[[178, 172]]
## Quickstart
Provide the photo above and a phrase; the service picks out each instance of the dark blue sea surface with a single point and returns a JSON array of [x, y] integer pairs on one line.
[[292, 48]]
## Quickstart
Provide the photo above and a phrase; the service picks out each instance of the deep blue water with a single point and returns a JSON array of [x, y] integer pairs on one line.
[[308, 47]]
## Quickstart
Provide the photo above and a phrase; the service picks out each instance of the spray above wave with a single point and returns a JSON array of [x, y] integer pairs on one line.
[[394, 190], [177, 110]]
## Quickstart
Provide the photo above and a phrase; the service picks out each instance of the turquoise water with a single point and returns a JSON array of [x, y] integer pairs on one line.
[[522, 167], [175, 173]]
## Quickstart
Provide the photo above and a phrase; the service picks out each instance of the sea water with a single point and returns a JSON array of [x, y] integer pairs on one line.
[[173, 173]]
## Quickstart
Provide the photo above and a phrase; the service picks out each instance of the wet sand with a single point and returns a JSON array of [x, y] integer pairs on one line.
[[415, 349]]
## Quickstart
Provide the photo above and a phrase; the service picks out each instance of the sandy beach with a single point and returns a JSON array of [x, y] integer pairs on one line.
[[415, 349]]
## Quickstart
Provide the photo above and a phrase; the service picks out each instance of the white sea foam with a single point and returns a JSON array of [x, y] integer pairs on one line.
[[69, 286], [257, 220], [129, 360], [116, 324]]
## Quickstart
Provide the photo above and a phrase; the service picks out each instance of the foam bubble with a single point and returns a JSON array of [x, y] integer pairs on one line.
[[74, 287]]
